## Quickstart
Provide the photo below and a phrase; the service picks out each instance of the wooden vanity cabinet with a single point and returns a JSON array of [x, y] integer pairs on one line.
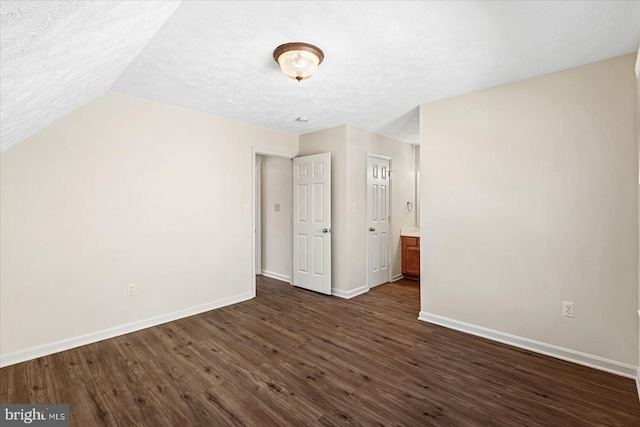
[[411, 257]]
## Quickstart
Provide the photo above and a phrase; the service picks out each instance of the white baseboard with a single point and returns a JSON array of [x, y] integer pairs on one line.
[[276, 276], [349, 294], [67, 344], [397, 277], [638, 375], [569, 355]]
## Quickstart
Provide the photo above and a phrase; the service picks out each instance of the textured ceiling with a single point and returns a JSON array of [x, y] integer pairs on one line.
[[382, 59], [56, 56]]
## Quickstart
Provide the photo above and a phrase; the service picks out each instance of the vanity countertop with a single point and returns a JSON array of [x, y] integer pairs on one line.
[[410, 232]]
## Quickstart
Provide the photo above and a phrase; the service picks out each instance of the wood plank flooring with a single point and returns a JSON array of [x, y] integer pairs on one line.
[[295, 358]]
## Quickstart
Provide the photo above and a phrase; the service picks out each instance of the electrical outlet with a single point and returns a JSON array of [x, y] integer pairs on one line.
[[567, 309], [131, 290]]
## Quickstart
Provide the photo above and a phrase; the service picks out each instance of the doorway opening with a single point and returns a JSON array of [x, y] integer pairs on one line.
[[291, 219], [271, 215]]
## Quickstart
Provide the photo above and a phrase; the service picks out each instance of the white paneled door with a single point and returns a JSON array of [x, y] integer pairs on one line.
[[378, 217], [312, 222]]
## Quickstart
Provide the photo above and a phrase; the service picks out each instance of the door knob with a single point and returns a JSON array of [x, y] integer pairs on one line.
[[326, 230], [372, 229]]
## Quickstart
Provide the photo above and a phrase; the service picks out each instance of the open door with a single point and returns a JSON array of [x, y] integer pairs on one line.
[[378, 197], [312, 222]]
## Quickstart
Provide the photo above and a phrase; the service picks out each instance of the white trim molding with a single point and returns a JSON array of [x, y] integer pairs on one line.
[[638, 375], [349, 294], [569, 355], [397, 277], [67, 344], [276, 276]]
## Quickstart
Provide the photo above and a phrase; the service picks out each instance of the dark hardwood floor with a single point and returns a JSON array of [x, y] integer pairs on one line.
[[295, 358]]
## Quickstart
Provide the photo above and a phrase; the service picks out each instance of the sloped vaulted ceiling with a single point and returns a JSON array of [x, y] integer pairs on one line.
[[383, 59], [57, 56]]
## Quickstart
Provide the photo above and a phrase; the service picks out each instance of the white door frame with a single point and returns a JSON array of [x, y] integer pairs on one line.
[[265, 152], [258, 213], [366, 204]]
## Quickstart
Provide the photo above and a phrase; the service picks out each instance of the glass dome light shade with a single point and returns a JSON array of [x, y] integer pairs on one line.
[[298, 60]]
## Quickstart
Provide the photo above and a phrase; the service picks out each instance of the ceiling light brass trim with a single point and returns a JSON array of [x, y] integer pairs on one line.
[[298, 46]]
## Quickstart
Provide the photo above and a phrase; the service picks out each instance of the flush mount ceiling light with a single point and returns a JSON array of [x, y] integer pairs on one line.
[[298, 60]]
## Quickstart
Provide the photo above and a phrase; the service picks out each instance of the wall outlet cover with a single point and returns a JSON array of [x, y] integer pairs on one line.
[[568, 309]]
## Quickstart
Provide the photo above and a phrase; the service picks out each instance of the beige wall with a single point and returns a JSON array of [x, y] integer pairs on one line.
[[529, 199], [124, 190], [276, 225]]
